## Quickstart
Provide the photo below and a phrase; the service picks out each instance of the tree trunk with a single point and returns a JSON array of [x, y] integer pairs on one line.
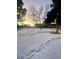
[[57, 29]]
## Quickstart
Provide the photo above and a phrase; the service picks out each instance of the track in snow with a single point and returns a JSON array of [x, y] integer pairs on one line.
[[38, 44]]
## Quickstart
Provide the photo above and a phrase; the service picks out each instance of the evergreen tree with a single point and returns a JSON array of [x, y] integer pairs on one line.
[[20, 10], [55, 13]]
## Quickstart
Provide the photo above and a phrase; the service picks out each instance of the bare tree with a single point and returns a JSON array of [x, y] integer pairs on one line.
[[46, 10], [36, 14], [40, 11], [33, 12]]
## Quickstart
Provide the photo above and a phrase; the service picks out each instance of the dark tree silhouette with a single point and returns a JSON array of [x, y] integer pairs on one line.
[[55, 13], [20, 10]]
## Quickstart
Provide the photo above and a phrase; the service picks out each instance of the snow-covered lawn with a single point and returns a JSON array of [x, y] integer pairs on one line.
[[38, 44]]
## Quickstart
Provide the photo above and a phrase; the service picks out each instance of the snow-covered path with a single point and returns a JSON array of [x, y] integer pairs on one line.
[[38, 44]]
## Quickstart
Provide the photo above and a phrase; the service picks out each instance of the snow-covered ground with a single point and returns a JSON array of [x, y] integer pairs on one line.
[[38, 44]]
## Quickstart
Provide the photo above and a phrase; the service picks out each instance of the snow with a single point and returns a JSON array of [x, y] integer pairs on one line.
[[38, 44]]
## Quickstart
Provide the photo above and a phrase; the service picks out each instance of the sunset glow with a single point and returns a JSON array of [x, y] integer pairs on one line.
[[29, 21]]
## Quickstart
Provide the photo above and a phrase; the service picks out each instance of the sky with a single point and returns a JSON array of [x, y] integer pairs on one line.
[[37, 4]]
